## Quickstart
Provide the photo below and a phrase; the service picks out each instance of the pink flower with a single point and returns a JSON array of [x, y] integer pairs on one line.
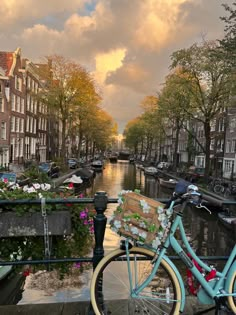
[[83, 215], [77, 265]]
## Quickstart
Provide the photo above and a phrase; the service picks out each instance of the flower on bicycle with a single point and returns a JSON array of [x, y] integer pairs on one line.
[[160, 209], [134, 230], [145, 207], [156, 242], [143, 235], [117, 224]]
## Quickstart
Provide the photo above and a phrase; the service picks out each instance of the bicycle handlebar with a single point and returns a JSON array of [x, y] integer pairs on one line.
[[187, 193]]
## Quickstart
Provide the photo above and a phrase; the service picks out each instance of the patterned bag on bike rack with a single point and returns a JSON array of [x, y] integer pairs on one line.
[[140, 218]]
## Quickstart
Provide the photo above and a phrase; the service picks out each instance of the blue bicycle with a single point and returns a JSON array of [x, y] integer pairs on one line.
[[137, 279]]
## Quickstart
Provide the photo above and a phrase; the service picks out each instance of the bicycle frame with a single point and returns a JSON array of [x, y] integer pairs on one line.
[[213, 289]]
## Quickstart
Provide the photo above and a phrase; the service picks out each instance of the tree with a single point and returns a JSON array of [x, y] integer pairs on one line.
[[174, 99], [207, 80], [68, 88], [228, 43], [134, 135]]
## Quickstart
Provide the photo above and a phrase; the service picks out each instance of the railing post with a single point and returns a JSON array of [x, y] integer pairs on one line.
[[99, 221]]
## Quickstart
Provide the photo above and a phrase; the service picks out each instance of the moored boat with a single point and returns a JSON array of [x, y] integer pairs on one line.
[[151, 171], [167, 183], [113, 158], [228, 220], [97, 165]]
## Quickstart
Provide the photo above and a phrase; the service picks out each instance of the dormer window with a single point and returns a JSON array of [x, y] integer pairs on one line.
[[18, 83]]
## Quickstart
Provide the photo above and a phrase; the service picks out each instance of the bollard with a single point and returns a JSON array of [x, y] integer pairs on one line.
[[99, 221]]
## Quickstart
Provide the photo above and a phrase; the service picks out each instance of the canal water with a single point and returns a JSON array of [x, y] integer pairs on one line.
[[208, 236]]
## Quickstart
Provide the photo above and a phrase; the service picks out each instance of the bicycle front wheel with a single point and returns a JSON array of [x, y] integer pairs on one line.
[[232, 289], [218, 189], [111, 292]]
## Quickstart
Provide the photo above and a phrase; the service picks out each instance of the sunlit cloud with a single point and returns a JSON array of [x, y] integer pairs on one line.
[[125, 44]]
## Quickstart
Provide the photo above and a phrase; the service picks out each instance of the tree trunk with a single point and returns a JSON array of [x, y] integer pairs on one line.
[[207, 129], [63, 140], [176, 145]]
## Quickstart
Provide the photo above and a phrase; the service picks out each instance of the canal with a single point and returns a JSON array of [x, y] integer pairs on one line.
[[208, 236]]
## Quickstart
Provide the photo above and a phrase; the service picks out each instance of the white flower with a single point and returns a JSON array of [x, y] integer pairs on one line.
[[36, 186], [160, 209], [120, 201], [146, 208], [164, 223], [156, 242], [31, 190], [40, 195], [25, 188], [143, 235], [117, 224], [45, 187], [126, 227], [142, 224], [161, 217], [134, 230], [16, 186]]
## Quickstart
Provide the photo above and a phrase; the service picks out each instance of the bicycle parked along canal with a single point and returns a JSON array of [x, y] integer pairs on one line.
[[145, 280]]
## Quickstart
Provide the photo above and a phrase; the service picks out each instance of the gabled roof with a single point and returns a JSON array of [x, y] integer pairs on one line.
[[6, 61]]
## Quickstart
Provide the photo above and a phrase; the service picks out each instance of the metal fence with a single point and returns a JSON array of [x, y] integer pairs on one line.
[[100, 202]]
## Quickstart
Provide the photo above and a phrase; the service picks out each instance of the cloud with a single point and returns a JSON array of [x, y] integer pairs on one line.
[[125, 44]]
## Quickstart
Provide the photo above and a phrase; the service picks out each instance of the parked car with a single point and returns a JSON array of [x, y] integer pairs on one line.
[[73, 163], [194, 173], [51, 168]]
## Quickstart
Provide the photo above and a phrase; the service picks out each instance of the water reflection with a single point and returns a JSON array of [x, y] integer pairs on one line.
[[209, 237]]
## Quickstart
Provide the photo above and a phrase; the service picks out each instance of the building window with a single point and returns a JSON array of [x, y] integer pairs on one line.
[[13, 123], [3, 130], [13, 102], [228, 166], [22, 106], [228, 146], [18, 101], [233, 147], [21, 125], [1, 104], [17, 124], [18, 83]]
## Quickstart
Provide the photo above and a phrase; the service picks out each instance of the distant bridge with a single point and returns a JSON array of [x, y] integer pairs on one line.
[[123, 155]]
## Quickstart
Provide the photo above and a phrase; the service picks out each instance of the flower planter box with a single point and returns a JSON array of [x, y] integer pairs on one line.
[[32, 224]]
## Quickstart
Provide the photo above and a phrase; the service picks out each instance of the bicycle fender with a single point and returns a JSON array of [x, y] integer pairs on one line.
[[180, 281], [230, 274]]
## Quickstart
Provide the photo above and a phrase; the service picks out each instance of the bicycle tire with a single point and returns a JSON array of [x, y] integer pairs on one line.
[[116, 289], [218, 189], [232, 289]]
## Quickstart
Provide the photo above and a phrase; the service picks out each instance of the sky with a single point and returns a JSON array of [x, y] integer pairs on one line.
[[125, 44]]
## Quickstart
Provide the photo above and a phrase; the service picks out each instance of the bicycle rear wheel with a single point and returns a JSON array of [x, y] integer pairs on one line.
[[232, 289], [110, 286]]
